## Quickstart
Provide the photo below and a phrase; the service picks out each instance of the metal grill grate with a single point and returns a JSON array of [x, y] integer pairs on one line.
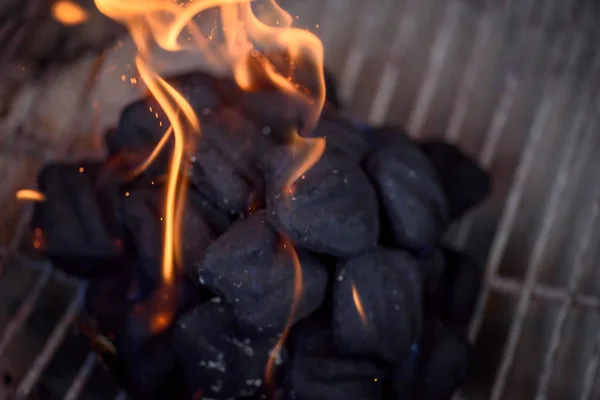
[[515, 83]]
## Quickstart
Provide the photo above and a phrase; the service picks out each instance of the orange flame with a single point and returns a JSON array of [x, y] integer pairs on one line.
[[69, 13], [31, 195], [359, 306], [246, 39], [297, 295]]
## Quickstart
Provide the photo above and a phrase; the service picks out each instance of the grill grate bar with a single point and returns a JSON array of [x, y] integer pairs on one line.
[[472, 69], [438, 53], [513, 206], [391, 72], [521, 54], [358, 52], [583, 250], [513, 198], [78, 384], [25, 309], [591, 373], [513, 287], [51, 345]]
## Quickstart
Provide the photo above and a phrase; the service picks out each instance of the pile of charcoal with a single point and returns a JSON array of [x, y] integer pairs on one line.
[[380, 305]]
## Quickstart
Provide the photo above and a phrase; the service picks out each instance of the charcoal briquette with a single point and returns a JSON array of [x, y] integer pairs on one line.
[[74, 226], [140, 128], [411, 195], [276, 112], [143, 211], [225, 164], [221, 359], [254, 269], [331, 210], [151, 372], [465, 184], [446, 364], [459, 289], [377, 304], [317, 371], [343, 137]]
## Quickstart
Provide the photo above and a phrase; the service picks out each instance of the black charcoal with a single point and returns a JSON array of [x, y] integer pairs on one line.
[[402, 380], [253, 268], [74, 225], [143, 210], [221, 360], [225, 165], [331, 92], [141, 126], [410, 192], [277, 113], [343, 137], [151, 372], [432, 270], [459, 289], [110, 298], [331, 210], [317, 371], [465, 183], [446, 364], [377, 304], [384, 136]]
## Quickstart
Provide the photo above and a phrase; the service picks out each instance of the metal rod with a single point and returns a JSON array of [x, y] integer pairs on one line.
[[483, 34], [78, 384], [513, 199], [513, 287], [25, 309], [513, 205], [51, 345], [437, 58], [327, 25], [391, 71], [585, 246], [362, 40], [591, 372]]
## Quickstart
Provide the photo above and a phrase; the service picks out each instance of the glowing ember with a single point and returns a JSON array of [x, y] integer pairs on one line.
[[30, 195], [358, 305], [69, 13]]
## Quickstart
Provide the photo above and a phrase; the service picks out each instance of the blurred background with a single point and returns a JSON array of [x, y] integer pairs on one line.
[[515, 83]]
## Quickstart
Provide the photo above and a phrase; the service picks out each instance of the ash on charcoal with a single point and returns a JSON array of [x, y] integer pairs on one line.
[[409, 190], [143, 211], [464, 182], [332, 210], [317, 371], [73, 226], [253, 268], [445, 364], [459, 289], [385, 286], [221, 359]]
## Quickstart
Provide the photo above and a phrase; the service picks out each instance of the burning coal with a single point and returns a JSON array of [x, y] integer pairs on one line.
[[231, 254]]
